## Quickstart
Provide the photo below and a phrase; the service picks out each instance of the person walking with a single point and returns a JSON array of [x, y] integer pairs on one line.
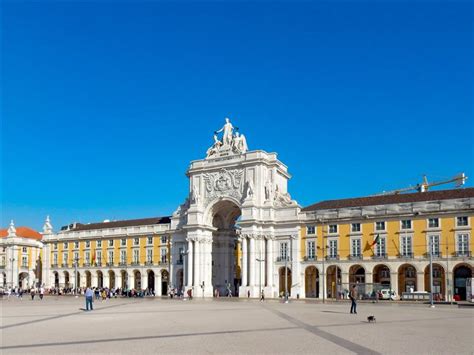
[[89, 294], [41, 292], [262, 296], [353, 297]]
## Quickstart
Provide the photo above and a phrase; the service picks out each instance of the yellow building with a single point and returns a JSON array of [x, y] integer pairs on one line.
[[20, 257], [384, 242]]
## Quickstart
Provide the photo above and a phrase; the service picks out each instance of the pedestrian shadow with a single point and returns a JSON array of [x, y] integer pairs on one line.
[[334, 312]]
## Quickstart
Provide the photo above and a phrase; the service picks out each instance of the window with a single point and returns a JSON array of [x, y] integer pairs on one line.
[[24, 261], [311, 250], [163, 239], [310, 230], [406, 224], [333, 248], [98, 258], [65, 257], [123, 242], [111, 257], [55, 246], [76, 245], [136, 256], [149, 255], [284, 250], [434, 243], [462, 221], [88, 243], [76, 257], [410, 272], [111, 243], [180, 253], [150, 240], [356, 248], [164, 252], [87, 257], [333, 228], [406, 245], [385, 273], [65, 246], [99, 244], [380, 226], [380, 250], [355, 227], [462, 244], [433, 223], [136, 241], [123, 256], [24, 250], [55, 259]]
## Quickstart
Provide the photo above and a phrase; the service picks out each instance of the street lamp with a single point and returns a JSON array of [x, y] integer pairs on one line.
[[76, 261], [12, 260], [431, 273], [323, 248], [183, 258]]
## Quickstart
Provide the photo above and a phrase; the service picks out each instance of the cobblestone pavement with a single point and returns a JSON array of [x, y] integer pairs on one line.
[[58, 325]]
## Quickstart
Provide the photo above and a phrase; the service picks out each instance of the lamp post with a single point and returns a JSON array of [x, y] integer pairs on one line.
[[431, 273], [323, 248], [76, 260], [183, 258]]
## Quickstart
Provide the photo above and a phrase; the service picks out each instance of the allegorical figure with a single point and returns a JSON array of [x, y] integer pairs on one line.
[[227, 135]]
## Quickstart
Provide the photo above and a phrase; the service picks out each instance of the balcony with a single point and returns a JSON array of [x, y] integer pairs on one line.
[[379, 256], [436, 255], [98, 263], [462, 254], [355, 257], [407, 255], [54, 265], [282, 259], [149, 263], [64, 265], [122, 263], [86, 264], [332, 257], [135, 263], [163, 262], [2, 267], [110, 263], [310, 258]]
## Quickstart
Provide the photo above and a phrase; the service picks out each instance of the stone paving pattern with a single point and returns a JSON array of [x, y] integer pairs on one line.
[[58, 325]]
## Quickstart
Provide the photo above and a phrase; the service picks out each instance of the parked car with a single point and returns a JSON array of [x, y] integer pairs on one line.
[[387, 294]]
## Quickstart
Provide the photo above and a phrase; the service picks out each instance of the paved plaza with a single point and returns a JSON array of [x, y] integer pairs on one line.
[[59, 325]]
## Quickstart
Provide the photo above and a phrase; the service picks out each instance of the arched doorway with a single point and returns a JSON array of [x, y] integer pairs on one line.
[[23, 280], [124, 278], [461, 273], [56, 279], [164, 282], [39, 272], [333, 283], [111, 279], [100, 279], [66, 280], [88, 279], [137, 276], [381, 276], [438, 281], [179, 279], [151, 281], [78, 279], [282, 279], [224, 215], [406, 279], [4, 279], [356, 275], [311, 279]]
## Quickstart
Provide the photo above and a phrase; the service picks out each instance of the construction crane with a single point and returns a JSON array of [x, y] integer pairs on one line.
[[424, 186]]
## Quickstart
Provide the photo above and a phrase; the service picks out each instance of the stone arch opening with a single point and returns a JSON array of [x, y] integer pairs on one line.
[[88, 278], [137, 280], [284, 283], [438, 281], [356, 274], [67, 282], [100, 279], [460, 274], [333, 282], [311, 276], [381, 275], [164, 282], [56, 279], [151, 281], [406, 278], [180, 280], [23, 280], [124, 278], [111, 279], [224, 213]]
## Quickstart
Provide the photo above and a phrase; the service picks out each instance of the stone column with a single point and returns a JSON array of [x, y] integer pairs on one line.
[[197, 264], [207, 277], [61, 278], [269, 261], [94, 280], [322, 284], [189, 264], [420, 281], [158, 283], [394, 282], [144, 280], [244, 262], [105, 279], [252, 261]]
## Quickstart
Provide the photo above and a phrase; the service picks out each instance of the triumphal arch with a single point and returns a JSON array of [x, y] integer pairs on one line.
[[236, 214]]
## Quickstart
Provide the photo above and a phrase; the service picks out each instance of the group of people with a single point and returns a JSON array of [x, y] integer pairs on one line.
[[19, 292]]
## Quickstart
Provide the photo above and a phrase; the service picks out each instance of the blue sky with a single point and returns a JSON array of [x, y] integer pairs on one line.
[[104, 105]]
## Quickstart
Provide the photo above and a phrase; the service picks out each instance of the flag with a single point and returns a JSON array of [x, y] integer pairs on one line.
[[93, 258], [376, 239]]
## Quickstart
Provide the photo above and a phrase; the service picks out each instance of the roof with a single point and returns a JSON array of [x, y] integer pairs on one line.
[[392, 199], [123, 223], [23, 232]]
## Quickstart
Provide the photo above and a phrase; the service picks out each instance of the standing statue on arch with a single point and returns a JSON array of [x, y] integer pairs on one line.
[[232, 141], [228, 130]]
